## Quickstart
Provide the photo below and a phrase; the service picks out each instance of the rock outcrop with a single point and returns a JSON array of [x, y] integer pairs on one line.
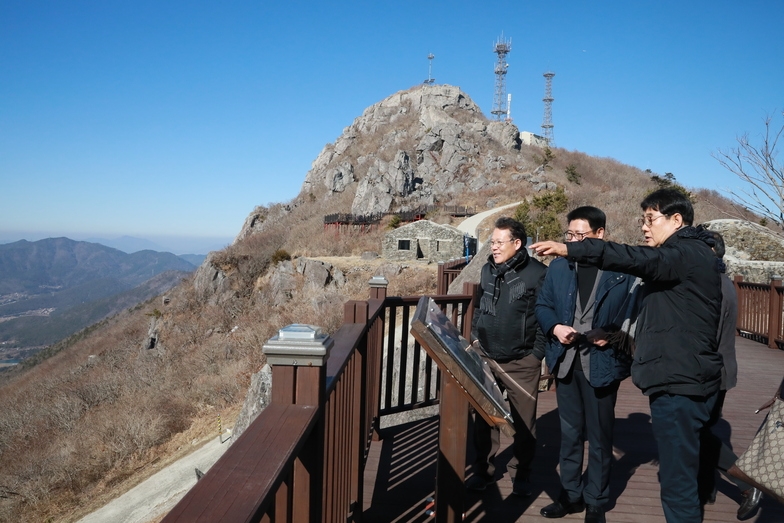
[[210, 281], [752, 251], [417, 147], [256, 400], [320, 280]]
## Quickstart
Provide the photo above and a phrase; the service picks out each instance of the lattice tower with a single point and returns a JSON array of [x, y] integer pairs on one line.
[[501, 49], [547, 121]]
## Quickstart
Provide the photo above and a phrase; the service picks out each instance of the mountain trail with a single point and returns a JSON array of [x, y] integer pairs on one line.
[[150, 500]]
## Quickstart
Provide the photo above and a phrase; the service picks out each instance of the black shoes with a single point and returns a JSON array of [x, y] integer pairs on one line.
[[522, 488], [594, 514], [750, 503], [563, 507], [478, 483]]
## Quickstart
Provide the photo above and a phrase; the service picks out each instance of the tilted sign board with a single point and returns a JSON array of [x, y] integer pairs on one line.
[[456, 357]]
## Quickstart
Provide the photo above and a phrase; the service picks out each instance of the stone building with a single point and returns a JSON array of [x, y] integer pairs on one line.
[[528, 138], [428, 241]]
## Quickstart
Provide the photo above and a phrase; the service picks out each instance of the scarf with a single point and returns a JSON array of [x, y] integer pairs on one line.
[[509, 272]]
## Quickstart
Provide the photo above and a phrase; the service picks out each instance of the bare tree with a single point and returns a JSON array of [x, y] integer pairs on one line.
[[759, 168]]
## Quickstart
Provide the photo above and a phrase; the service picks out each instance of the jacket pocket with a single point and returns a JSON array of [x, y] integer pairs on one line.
[[647, 367]]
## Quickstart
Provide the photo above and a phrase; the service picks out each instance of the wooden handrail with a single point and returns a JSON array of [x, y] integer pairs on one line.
[[241, 485], [303, 458]]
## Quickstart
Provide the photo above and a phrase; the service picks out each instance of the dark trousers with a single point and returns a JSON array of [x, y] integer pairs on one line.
[[586, 413], [715, 455], [677, 422], [520, 374]]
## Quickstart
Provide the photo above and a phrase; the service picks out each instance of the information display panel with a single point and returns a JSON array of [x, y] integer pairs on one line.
[[455, 356]]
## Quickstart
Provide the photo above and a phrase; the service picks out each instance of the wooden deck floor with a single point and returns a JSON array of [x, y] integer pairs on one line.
[[400, 474]]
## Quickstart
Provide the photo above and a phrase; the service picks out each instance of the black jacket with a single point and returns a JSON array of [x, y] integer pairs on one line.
[[512, 332], [679, 316]]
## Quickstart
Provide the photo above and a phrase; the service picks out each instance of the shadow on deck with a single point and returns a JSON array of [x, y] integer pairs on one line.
[[400, 473]]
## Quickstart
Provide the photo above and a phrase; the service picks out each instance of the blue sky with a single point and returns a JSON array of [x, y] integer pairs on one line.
[[174, 119]]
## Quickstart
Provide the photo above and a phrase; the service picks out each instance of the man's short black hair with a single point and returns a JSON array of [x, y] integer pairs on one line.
[[515, 228], [718, 245], [669, 202], [593, 215]]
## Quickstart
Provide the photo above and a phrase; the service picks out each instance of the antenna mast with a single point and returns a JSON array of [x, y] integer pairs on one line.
[[509, 107], [502, 48], [547, 121], [430, 80]]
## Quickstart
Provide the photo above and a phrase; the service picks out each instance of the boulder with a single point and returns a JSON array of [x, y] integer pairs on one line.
[[210, 281], [752, 251], [256, 400]]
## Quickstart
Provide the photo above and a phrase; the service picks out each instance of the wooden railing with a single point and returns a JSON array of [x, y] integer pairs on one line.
[[303, 458], [405, 216], [761, 311], [447, 273]]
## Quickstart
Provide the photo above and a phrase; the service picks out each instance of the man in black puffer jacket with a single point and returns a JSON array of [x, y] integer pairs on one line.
[[506, 328], [676, 363]]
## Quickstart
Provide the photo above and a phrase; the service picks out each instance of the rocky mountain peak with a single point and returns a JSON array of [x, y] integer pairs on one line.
[[421, 146]]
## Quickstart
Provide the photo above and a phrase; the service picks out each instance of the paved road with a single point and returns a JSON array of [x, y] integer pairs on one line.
[[158, 494], [470, 224]]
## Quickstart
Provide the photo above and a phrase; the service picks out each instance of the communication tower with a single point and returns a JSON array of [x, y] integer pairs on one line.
[[547, 121], [430, 80], [501, 49]]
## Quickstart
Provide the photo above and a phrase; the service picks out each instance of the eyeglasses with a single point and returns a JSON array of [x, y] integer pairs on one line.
[[648, 221], [498, 243], [579, 236]]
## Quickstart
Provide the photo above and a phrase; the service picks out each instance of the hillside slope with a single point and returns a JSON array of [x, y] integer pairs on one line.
[[52, 288]]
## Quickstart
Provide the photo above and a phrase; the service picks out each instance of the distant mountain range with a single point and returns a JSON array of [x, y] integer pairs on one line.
[[193, 249], [129, 244], [52, 288]]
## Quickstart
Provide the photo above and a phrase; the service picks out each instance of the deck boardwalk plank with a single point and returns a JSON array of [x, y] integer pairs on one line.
[[400, 473]]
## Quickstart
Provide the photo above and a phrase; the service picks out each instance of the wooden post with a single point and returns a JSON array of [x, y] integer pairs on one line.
[[298, 356], [440, 283], [452, 441], [378, 287], [774, 311], [355, 311], [474, 290], [378, 290]]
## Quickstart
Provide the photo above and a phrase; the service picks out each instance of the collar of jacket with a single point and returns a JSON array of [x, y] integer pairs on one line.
[[691, 233]]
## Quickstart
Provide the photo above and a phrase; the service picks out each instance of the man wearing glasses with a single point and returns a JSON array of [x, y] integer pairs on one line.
[[675, 363], [506, 329], [578, 306]]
